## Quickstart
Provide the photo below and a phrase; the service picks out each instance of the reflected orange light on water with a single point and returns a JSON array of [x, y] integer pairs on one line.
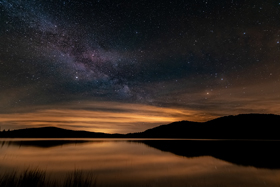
[[134, 164]]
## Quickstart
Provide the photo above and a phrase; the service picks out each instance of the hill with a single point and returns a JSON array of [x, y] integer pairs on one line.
[[54, 132], [244, 126]]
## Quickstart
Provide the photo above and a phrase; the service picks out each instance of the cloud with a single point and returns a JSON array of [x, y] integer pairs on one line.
[[110, 117]]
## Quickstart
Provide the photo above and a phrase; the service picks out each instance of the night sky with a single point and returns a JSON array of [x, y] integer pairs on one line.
[[124, 66]]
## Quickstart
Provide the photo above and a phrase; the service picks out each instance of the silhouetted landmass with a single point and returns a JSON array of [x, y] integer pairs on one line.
[[260, 154], [54, 132], [244, 126]]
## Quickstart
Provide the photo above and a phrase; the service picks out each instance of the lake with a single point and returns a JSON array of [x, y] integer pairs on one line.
[[138, 162]]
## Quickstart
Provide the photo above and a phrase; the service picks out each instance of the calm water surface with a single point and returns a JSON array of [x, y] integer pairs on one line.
[[132, 163]]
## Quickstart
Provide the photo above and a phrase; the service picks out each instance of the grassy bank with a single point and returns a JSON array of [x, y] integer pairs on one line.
[[37, 178]]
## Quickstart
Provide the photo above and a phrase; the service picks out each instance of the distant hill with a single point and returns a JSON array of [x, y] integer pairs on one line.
[[244, 126], [54, 132]]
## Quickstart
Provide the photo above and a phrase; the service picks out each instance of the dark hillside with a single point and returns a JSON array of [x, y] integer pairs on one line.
[[244, 126], [54, 132]]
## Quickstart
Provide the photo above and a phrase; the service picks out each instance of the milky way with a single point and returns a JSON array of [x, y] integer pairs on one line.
[[195, 60]]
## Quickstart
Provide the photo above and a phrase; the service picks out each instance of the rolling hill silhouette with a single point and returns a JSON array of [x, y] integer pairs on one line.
[[54, 132], [244, 126]]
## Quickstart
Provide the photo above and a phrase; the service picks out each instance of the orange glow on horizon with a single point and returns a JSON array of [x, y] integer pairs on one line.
[[109, 117]]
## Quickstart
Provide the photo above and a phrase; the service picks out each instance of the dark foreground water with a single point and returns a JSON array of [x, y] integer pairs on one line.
[[149, 162]]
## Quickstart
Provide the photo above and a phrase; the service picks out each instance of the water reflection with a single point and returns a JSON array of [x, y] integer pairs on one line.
[[136, 163], [261, 154], [42, 143]]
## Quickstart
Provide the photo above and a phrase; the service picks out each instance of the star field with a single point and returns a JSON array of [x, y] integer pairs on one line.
[[125, 66]]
